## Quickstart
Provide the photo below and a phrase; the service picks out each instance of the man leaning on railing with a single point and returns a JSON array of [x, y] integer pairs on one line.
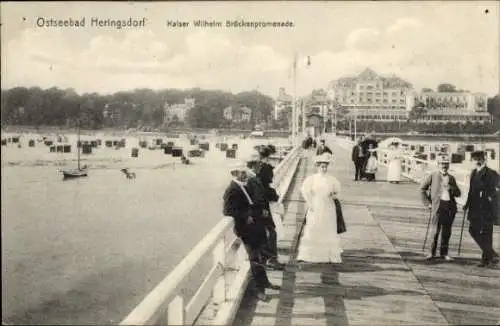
[[248, 227]]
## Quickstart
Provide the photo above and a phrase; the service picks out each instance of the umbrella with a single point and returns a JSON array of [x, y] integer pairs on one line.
[[366, 143]]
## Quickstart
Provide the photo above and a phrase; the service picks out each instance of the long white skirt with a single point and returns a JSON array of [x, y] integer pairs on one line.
[[394, 170], [320, 242]]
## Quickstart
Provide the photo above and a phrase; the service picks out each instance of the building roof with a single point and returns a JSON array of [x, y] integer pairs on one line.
[[283, 96], [246, 110], [392, 81]]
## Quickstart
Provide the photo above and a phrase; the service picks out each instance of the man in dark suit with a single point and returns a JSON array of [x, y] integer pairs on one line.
[[358, 158], [439, 190], [481, 205], [238, 204], [322, 148], [262, 193]]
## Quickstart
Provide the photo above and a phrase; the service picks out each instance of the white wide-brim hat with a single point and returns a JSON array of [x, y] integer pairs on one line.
[[253, 156], [240, 166], [323, 158]]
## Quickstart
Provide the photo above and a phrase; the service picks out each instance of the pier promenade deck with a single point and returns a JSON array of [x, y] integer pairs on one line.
[[384, 278]]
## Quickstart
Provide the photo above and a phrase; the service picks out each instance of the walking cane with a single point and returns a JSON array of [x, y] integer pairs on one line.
[[427, 231], [461, 233]]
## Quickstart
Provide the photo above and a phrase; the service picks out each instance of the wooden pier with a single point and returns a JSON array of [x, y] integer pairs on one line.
[[384, 278]]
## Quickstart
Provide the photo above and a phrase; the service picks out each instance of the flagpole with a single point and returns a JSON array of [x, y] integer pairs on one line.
[[294, 107], [304, 133]]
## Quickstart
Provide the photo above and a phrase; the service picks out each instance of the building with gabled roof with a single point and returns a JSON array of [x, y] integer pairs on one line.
[[370, 96]]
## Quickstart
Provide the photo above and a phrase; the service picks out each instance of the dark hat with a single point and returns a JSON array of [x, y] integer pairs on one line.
[[264, 152], [272, 149], [477, 155]]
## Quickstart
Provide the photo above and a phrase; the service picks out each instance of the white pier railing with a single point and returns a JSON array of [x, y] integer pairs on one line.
[[218, 296], [416, 169]]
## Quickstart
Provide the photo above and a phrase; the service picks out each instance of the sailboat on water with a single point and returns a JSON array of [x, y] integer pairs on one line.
[[79, 171]]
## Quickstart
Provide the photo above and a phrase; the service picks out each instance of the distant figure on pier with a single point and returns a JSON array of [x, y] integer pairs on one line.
[[320, 242], [307, 143], [394, 166], [371, 164], [481, 205], [439, 190], [185, 160], [322, 148], [358, 158], [238, 204]]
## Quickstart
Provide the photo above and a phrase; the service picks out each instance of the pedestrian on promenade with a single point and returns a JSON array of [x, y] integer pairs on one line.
[[394, 167], [320, 242], [439, 190], [322, 148], [358, 158], [481, 205], [238, 204], [262, 194], [371, 164]]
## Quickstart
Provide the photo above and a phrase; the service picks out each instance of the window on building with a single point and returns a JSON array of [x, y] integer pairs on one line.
[[393, 101], [394, 94], [386, 94], [361, 86], [369, 87]]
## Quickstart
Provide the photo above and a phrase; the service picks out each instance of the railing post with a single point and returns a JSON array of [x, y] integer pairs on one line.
[[176, 313], [219, 257]]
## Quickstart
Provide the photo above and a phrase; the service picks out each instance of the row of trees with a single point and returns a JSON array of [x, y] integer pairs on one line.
[[127, 109], [145, 108], [445, 88]]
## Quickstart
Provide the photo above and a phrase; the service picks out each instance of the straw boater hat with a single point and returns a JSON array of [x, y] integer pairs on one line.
[[240, 166], [254, 156], [443, 159], [323, 158]]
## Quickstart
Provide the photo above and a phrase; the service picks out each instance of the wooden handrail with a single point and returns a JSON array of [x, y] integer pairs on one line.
[[224, 246]]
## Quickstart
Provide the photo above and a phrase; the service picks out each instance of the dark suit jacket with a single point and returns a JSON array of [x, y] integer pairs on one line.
[[481, 199], [257, 192], [236, 205], [355, 153], [320, 150], [266, 175]]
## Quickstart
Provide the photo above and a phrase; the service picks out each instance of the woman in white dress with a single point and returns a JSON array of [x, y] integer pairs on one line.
[[320, 242], [394, 166]]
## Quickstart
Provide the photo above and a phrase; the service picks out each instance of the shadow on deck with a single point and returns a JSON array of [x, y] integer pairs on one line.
[[383, 278]]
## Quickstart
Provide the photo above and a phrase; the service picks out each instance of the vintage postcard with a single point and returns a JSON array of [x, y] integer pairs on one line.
[[250, 163]]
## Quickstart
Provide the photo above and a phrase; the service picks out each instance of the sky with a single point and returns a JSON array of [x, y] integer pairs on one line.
[[425, 43]]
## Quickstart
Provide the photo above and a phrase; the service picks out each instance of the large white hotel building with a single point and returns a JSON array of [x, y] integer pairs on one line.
[[370, 96]]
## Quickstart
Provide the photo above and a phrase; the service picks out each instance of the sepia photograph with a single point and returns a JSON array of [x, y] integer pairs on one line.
[[250, 163]]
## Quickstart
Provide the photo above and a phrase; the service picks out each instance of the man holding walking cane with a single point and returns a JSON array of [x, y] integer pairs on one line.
[[439, 190], [481, 205]]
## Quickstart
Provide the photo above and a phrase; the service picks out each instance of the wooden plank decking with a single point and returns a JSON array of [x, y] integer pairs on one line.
[[383, 279]]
